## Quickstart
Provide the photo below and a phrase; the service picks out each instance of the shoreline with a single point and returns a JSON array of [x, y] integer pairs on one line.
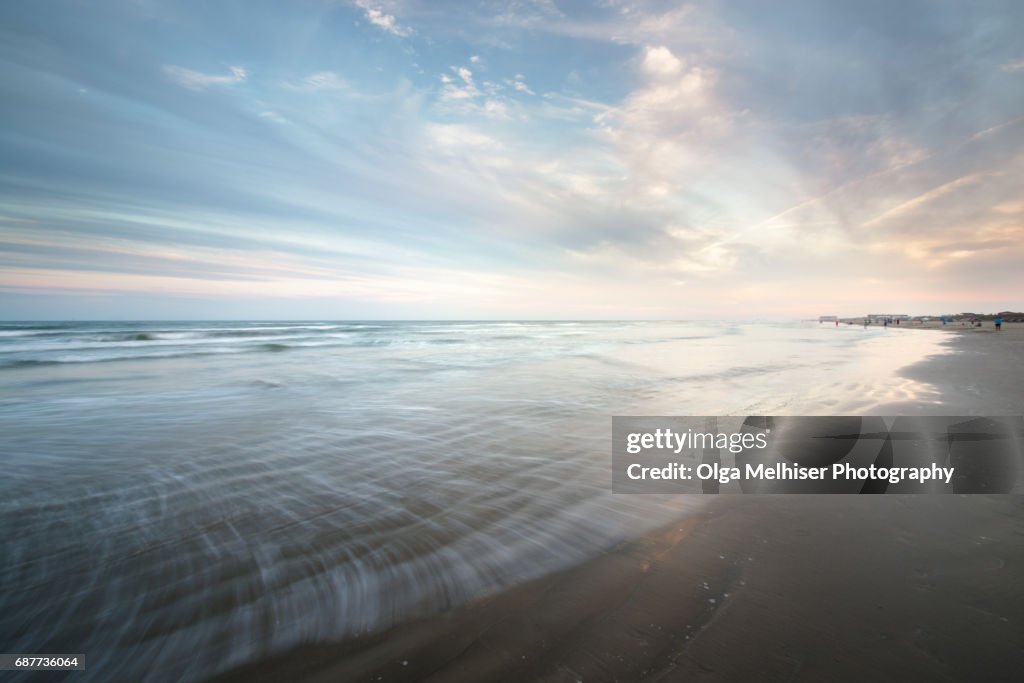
[[754, 587], [981, 375]]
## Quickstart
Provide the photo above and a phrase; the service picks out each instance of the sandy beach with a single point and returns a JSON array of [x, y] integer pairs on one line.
[[785, 588], [982, 375]]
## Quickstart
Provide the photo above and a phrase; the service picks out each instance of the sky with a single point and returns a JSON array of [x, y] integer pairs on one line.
[[527, 159]]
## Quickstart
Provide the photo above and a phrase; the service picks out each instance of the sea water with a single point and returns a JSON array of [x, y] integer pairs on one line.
[[179, 498]]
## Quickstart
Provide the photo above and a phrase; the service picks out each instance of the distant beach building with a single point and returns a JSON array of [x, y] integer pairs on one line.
[[878, 317], [827, 319]]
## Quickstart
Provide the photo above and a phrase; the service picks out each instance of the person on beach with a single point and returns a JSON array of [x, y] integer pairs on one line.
[[999, 324]]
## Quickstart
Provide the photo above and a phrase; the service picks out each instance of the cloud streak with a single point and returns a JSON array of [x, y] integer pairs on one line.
[[381, 19], [196, 80], [513, 159]]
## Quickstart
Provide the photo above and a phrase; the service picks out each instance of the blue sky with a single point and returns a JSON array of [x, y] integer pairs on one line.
[[399, 159]]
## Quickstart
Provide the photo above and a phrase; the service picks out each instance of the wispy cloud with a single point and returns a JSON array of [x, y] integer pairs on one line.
[[518, 83], [273, 116], [197, 80], [461, 87], [532, 157], [381, 19], [922, 199], [461, 94], [319, 81]]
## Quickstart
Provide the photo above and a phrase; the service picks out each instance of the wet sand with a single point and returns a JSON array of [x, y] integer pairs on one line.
[[983, 375], [777, 588]]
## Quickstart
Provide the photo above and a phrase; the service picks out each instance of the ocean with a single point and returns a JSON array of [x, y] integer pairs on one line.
[[181, 497]]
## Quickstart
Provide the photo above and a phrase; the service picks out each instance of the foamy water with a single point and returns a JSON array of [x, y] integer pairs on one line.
[[179, 498]]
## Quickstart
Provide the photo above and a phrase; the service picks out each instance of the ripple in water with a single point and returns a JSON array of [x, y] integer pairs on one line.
[[176, 512]]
